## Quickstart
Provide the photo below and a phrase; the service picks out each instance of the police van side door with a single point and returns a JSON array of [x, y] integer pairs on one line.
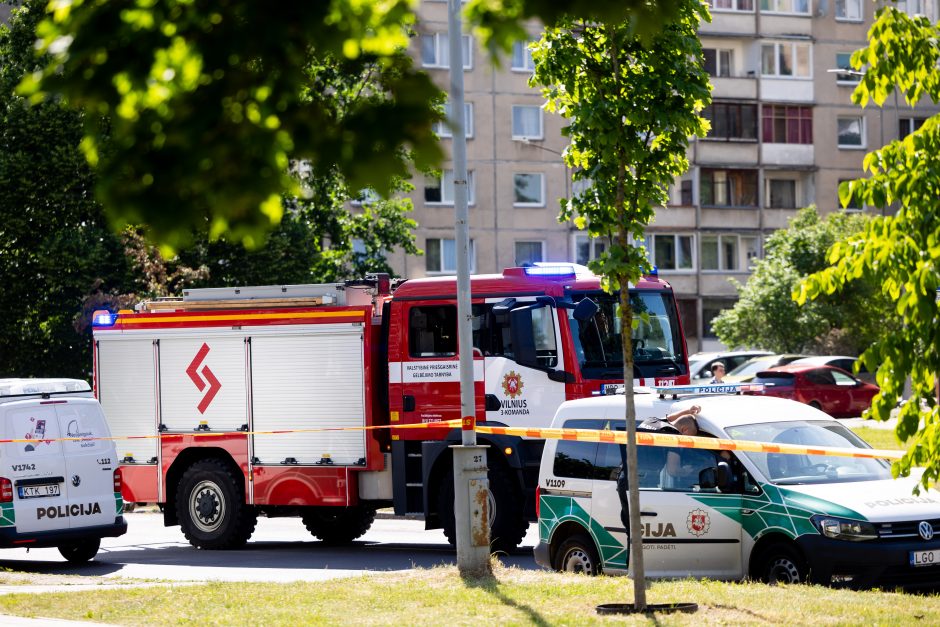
[[89, 464], [35, 466]]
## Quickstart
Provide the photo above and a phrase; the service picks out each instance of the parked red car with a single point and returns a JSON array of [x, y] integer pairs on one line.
[[830, 389]]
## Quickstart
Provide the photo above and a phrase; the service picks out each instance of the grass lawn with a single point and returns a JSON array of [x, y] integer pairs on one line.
[[879, 438], [440, 597]]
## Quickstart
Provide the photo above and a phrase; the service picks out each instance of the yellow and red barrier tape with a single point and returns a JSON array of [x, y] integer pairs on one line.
[[643, 438]]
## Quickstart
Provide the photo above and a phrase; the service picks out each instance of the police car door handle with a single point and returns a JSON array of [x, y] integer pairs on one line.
[[642, 513]]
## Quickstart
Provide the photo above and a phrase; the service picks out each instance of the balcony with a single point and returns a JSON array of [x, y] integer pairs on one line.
[[739, 87], [788, 154], [736, 23], [714, 152], [786, 89]]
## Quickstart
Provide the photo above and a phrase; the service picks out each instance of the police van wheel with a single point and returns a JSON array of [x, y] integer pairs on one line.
[[338, 525], [782, 564], [577, 555], [211, 508], [507, 523], [80, 552]]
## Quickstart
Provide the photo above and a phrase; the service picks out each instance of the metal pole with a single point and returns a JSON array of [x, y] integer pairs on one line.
[[470, 478]]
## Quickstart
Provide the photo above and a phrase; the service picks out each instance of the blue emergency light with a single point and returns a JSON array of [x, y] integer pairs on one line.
[[103, 318], [555, 269]]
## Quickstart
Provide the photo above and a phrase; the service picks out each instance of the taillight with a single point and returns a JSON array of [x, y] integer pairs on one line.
[[117, 480], [6, 490], [538, 499]]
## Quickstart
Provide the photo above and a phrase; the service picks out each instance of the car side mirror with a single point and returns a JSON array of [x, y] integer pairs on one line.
[[708, 478], [585, 310]]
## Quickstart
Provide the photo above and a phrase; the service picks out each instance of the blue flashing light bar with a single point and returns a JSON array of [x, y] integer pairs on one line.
[[554, 269], [103, 318]]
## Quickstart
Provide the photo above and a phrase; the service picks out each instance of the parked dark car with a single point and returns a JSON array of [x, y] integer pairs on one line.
[[749, 369], [830, 389]]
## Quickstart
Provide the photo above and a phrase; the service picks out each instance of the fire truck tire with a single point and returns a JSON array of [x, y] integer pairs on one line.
[[211, 508], [507, 523], [338, 525], [80, 552]]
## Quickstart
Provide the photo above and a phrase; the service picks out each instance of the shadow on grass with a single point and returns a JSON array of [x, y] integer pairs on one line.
[[490, 584]]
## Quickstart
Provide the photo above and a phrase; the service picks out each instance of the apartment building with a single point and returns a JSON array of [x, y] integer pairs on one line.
[[784, 134]]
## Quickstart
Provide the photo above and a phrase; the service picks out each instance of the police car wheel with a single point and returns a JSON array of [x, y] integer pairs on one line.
[[80, 552], [577, 555], [211, 507], [783, 565]]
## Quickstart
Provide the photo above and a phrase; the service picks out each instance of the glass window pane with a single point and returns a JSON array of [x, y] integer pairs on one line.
[[711, 63], [850, 131], [528, 252], [527, 189], [709, 252], [432, 255], [428, 51], [729, 252], [665, 255], [785, 59], [684, 252], [526, 121], [443, 50], [768, 65], [802, 60]]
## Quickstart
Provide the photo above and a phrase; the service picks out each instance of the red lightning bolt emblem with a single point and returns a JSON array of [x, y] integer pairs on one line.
[[193, 372]]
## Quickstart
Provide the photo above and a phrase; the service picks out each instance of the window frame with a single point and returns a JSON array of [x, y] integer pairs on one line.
[[515, 250], [443, 270], [528, 65], [443, 130], [702, 177], [445, 202], [859, 4], [736, 9], [650, 244], [777, 11], [804, 113], [863, 133], [793, 60], [718, 64], [732, 111], [541, 202], [848, 80], [914, 122], [742, 261], [796, 193], [512, 123], [593, 243], [436, 64]]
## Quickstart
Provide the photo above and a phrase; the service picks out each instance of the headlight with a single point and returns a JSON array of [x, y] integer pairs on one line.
[[844, 528]]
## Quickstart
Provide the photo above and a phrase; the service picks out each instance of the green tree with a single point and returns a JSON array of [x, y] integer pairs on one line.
[[207, 100], [899, 253], [56, 249], [766, 316], [631, 107]]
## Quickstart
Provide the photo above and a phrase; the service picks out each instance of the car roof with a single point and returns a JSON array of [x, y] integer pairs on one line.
[[800, 368], [822, 360], [718, 411]]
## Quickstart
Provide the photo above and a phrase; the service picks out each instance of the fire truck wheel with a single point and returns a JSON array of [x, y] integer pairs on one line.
[[507, 523], [338, 525], [211, 508], [80, 552]]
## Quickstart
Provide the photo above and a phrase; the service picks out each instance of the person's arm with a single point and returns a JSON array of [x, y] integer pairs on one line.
[[691, 411]]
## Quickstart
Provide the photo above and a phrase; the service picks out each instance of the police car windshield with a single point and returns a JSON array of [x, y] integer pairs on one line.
[[656, 341], [784, 469]]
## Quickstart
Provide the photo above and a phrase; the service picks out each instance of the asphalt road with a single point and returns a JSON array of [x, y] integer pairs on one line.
[[281, 549]]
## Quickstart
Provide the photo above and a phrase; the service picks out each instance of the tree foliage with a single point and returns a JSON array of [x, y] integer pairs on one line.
[[631, 106], [766, 316], [899, 253], [208, 104]]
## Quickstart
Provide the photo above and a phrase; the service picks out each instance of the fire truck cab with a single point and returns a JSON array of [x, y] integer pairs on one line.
[[290, 400]]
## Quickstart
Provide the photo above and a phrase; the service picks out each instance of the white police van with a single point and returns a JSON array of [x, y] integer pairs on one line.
[[768, 516], [54, 492]]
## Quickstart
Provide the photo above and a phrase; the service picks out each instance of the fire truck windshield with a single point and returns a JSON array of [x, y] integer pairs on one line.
[[658, 349]]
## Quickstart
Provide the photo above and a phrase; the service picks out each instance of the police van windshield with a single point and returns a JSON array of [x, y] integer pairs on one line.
[[658, 349], [783, 469]]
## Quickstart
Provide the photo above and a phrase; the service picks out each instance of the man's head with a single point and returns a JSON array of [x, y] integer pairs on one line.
[[686, 425], [718, 369]]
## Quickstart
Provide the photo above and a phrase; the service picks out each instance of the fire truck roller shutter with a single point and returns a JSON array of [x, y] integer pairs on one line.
[[308, 381], [202, 378], [127, 392]]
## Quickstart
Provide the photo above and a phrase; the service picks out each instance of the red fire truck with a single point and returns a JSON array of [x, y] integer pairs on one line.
[[214, 380]]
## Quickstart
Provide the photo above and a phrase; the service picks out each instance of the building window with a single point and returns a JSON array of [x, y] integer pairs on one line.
[[906, 126], [732, 120], [844, 62], [527, 122], [528, 189], [851, 131], [435, 52], [751, 247], [732, 5], [670, 252], [799, 7], [441, 256], [587, 248], [787, 124], [365, 197], [849, 10], [927, 8], [728, 188], [720, 252], [522, 57], [718, 62], [781, 193], [785, 59], [853, 204], [442, 128], [440, 190], [529, 252], [710, 310]]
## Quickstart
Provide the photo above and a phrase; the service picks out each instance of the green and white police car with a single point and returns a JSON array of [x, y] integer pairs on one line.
[[59, 480], [773, 517]]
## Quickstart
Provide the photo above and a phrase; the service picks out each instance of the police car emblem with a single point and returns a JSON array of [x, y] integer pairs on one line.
[[697, 522]]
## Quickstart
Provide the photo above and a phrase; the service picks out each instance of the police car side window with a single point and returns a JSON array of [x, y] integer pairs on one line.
[[575, 460]]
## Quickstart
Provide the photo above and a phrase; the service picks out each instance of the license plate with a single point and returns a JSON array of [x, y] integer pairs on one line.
[[33, 491], [925, 558]]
